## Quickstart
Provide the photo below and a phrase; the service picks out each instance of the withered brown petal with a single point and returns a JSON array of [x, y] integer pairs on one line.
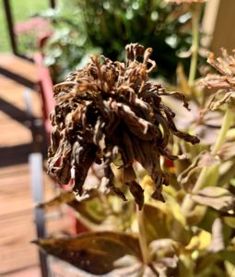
[[137, 192]]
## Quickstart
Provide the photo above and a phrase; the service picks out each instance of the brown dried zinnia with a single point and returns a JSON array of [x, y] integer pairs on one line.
[[224, 80], [108, 111], [225, 66]]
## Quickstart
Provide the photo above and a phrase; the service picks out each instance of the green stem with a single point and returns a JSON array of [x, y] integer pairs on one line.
[[142, 235], [188, 203], [223, 131], [140, 220], [196, 12]]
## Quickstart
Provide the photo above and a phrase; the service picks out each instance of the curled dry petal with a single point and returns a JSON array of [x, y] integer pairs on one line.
[[223, 81], [110, 110], [225, 67]]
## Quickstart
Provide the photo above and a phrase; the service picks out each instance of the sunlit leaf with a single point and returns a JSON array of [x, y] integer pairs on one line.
[[155, 222], [230, 221], [95, 253], [186, 266], [217, 198], [230, 268], [90, 209], [106, 212], [175, 209], [200, 241], [147, 181], [196, 215], [212, 175], [160, 223]]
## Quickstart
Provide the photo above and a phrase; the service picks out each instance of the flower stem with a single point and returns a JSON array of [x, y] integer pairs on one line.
[[223, 131], [188, 204], [196, 12], [142, 236]]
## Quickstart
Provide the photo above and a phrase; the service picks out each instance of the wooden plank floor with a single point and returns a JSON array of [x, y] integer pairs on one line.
[[18, 257]]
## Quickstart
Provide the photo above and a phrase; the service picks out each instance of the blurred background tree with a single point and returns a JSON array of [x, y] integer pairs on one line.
[[21, 12], [105, 26]]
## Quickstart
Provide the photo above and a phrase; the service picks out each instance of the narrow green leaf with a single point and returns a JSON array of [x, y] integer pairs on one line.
[[62, 198]]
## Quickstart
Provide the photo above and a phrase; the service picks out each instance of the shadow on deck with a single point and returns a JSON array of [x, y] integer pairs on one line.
[[21, 124]]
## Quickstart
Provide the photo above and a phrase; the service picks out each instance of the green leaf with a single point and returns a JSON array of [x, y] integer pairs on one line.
[[196, 215], [93, 210], [94, 252], [208, 219], [230, 268], [186, 266], [106, 212], [155, 222], [206, 263], [175, 209], [212, 175], [63, 198], [160, 223], [228, 255], [230, 221], [90, 209], [200, 241]]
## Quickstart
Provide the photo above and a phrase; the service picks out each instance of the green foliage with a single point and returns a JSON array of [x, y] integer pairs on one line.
[[83, 27], [21, 11], [178, 244]]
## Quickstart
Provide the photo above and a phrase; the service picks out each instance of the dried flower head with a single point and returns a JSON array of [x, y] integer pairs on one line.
[[225, 66], [186, 1], [224, 80], [111, 111]]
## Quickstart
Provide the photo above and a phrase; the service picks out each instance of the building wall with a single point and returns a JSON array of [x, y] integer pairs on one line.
[[219, 24]]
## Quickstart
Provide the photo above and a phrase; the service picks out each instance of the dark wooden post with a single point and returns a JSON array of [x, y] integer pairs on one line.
[[218, 23], [52, 3], [224, 35], [10, 25]]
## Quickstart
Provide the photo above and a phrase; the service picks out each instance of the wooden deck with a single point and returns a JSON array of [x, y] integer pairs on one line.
[[17, 255]]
